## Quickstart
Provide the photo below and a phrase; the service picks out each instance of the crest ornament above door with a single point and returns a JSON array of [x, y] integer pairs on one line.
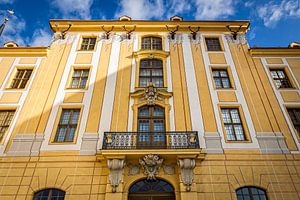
[[151, 164]]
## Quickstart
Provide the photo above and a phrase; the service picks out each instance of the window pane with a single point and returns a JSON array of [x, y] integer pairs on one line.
[[226, 83], [21, 78], [158, 111], [67, 125], [226, 116], [144, 125], [235, 116]]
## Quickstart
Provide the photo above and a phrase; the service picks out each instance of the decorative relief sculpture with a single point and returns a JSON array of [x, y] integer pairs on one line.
[[133, 170], [151, 164], [150, 94], [169, 169], [187, 166], [240, 39], [115, 167]]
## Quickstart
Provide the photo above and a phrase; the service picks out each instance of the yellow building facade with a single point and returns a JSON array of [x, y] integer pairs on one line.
[[130, 109]]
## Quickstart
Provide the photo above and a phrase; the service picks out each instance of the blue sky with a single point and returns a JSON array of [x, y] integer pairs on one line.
[[273, 22]]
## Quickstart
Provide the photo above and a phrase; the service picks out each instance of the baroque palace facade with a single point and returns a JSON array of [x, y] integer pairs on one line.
[[150, 110]]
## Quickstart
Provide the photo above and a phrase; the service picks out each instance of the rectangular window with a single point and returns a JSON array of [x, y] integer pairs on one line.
[[295, 117], [6, 117], [67, 125], [79, 78], [221, 78], [88, 44], [233, 124], [213, 44], [280, 78], [21, 78]]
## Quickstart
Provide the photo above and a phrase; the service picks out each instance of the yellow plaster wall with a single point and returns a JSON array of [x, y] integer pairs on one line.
[[227, 97], [295, 67], [181, 108], [208, 114], [252, 90], [27, 60], [120, 110], [215, 177], [38, 104], [272, 107], [274, 61], [98, 94], [290, 96], [84, 58], [217, 58], [73, 97], [5, 65], [10, 97]]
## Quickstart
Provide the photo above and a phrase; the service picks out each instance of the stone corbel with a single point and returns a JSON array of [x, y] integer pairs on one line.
[[115, 167], [187, 166]]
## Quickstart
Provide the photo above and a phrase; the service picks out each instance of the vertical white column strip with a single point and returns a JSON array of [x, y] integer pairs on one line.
[[192, 87], [170, 86], [132, 82], [110, 87]]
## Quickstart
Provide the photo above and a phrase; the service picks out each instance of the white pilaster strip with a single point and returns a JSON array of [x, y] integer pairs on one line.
[[192, 87], [132, 82], [110, 87], [170, 86]]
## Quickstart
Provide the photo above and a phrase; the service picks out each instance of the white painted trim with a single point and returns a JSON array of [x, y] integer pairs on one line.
[[170, 85], [109, 93], [280, 101], [292, 74], [192, 89], [132, 83]]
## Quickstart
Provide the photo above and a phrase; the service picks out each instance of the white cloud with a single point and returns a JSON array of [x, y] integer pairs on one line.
[[249, 4], [141, 9], [41, 37], [177, 7], [13, 29], [271, 13], [214, 9], [74, 8]]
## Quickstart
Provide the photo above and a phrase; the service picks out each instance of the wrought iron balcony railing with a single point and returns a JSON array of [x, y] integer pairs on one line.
[[151, 140]]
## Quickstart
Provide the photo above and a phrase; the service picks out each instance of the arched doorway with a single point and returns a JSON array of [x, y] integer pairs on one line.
[[151, 190]]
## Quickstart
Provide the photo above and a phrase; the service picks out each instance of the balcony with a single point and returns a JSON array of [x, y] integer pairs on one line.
[[151, 140]]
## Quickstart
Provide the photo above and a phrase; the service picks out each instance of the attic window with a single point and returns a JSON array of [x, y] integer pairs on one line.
[[176, 18], [125, 18]]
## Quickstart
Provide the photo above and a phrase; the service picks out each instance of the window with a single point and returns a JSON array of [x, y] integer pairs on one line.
[[295, 117], [79, 78], [152, 43], [67, 125], [151, 126], [21, 78], [251, 193], [280, 78], [213, 44], [233, 125], [151, 71], [221, 78], [49, 194], [88, 44], [6, 117]]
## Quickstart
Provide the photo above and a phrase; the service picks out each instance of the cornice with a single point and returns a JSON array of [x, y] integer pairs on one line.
[[143, 25], [271, 51], [24, 51]]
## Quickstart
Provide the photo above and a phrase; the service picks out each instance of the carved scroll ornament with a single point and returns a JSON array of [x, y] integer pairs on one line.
[[151, 164]]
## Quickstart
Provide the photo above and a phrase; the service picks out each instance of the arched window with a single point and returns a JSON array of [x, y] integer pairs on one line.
[[151, 71], [151, 43], [151, 127], [49, 194], [146, 190], [251, 193]]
